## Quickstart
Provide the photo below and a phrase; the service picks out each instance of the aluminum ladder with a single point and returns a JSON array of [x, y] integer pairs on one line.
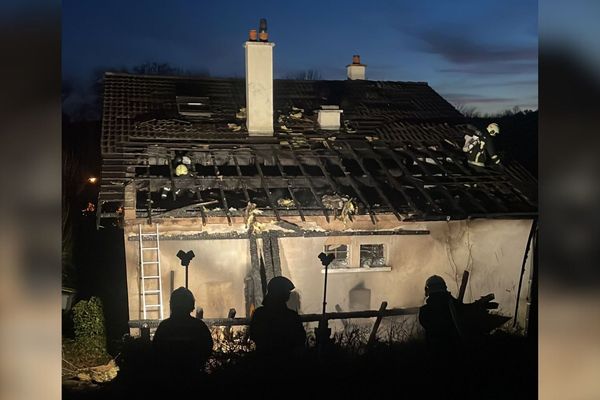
[[150, 274]]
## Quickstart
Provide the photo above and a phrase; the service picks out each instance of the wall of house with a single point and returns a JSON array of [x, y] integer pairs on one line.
[[494, 262], [216, 274], [492, 250]]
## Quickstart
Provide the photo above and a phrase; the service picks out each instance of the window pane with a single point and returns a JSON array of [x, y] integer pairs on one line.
[[341, 255], [371, 255]]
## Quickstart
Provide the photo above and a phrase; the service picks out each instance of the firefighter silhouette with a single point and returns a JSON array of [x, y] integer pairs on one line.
[[275, 329]]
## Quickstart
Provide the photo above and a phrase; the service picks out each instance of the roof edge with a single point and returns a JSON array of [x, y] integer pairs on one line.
[[209, 78]]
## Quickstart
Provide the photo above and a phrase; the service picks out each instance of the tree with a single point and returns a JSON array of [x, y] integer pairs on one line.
[[468, 111], [154, 68]]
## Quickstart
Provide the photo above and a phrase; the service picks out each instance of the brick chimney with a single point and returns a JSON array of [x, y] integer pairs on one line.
[[259, 82]]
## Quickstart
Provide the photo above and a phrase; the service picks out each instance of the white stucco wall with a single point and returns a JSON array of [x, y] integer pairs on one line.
[[497, 248], [492, 250], [216, 274]]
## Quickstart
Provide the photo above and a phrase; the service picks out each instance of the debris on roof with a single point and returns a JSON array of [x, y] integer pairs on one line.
[[287, 203], [398, 151]]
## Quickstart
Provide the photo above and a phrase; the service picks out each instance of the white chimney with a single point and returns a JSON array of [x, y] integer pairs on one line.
[[259, 83], [356, 70], [329, 118]]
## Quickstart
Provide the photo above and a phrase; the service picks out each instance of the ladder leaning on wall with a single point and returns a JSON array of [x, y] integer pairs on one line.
[[150, 276]]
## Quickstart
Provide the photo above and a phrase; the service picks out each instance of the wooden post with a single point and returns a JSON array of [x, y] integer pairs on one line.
[[276, 259], [172, 287], [267, 257], [344, 321], [373, 335], [257, 290], [230, 315], [463, 286]]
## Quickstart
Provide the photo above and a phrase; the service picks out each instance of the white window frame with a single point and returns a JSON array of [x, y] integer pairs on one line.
[[384, 254], [346, 264]]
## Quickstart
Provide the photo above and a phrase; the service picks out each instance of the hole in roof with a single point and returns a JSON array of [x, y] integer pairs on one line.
[[154, 170], [193, 106], [333, 169], [292, 170], [372, 165], [352, 166], [312, 170], [306, 198], [270, 170]]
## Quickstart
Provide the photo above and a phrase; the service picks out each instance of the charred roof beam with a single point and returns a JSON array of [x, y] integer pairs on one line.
[[266, 188], [240, 177], [352, 182], [472, 200], [393, 181], [443, 190], [220, 185], [310, 185], [374, 181], [290, 185], [416, 183]]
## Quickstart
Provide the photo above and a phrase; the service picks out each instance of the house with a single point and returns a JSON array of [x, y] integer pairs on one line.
[[258, 176]]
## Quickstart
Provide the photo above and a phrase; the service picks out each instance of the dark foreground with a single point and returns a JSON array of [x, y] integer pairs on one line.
[[502, 367]]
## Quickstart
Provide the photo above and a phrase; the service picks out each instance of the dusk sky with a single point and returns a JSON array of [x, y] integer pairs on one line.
[[475, 53]]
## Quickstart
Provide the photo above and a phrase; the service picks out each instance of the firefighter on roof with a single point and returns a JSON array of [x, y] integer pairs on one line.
[[480, 147]]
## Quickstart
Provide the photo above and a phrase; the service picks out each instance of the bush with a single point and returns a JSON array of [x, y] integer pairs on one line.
[[88, 319], [89, 346]]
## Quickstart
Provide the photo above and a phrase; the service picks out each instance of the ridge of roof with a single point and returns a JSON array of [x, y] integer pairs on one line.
[[222, 79]]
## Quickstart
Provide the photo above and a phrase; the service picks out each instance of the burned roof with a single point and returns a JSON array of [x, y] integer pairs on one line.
[[398, 151]]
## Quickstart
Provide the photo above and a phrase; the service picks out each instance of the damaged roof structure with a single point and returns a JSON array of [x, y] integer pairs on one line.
[[397, 150]]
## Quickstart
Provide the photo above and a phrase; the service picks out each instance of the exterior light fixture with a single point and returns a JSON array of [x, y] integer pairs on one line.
[[92, 179], [185, 258]]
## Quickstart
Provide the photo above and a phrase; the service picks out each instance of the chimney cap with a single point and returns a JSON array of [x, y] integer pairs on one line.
[[263, 35], [356, 61], [262, 27]]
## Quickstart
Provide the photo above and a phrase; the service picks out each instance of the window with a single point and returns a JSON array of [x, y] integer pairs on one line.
[[371, 256], [340, 251], [193, 106]]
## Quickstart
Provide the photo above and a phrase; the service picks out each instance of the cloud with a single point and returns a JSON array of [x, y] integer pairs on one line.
[[466, 43], [499, 68], [468, 98], [517, 83], [466, 50]]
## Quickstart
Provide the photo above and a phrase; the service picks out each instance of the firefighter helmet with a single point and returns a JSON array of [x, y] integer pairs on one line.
[[280, 285], [435, 284], [182, 300], [493, 129], [181, 169]]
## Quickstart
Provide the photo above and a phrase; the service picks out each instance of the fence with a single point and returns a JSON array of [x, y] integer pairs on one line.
[[231, 321]]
